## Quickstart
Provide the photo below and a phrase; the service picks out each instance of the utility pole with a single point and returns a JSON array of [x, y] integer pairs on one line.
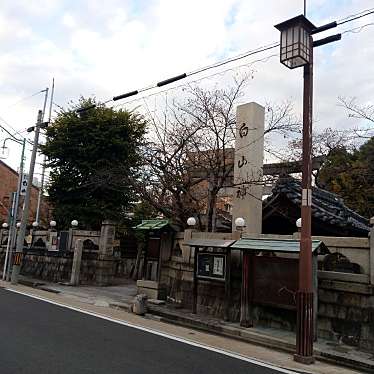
[[22, 230], [40, 194], [41, 189], [13, 227]]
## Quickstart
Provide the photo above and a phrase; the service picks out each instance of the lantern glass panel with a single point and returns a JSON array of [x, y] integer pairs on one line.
[[295, 46]]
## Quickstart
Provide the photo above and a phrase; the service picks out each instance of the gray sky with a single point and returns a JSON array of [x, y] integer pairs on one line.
[[105, 48]]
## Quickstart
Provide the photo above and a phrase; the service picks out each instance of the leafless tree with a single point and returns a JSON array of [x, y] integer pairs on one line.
[[324, 141], [361, 112], [280, 119], [164, 182], [190, 157]]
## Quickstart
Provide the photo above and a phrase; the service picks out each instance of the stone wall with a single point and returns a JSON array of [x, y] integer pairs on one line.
[[57, 267], [100, 262], [346, 301], [346, 313], [49, 268]]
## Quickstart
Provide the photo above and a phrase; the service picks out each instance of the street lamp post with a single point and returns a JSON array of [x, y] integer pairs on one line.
[[296, 50]]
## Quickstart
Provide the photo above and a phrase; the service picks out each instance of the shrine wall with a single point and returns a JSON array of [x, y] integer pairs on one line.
[[345, 300]]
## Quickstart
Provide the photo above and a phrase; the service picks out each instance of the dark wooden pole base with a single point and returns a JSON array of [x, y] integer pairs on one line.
[[303, 359], [304, 334]]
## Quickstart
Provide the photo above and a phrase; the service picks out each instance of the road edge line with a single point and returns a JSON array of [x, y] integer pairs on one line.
[[159, 333]]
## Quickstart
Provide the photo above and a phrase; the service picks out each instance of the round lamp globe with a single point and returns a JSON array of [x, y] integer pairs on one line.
[[239, 222], [191, 221]]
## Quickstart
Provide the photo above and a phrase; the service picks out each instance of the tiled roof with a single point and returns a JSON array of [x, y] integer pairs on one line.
[[326, 206]]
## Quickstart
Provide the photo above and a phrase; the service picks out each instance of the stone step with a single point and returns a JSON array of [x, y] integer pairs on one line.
[[124, 306]]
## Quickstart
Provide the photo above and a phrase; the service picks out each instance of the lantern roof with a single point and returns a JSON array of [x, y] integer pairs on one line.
[[296, 20]]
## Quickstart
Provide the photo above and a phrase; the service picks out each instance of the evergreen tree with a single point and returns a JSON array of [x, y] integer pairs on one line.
[[351, 176], [94, 156]]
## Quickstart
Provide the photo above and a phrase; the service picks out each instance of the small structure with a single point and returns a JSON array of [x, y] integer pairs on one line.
[[159, 236], [270, 272], [212, 263]]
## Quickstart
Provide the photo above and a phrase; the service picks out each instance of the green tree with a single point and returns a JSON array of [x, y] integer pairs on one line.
[[94, 156], [351, 176]]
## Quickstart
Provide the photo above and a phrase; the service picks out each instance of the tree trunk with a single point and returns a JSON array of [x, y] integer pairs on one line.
[[210, 214], [137, 262]]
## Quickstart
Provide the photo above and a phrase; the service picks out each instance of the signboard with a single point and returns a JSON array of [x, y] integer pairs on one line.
[[24, 182], [211, 266]]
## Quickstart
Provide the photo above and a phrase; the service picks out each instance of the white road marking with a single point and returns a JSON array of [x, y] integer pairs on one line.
[[160, 333]]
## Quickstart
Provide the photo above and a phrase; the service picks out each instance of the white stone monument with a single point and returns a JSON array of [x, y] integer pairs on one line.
[[248, 168]]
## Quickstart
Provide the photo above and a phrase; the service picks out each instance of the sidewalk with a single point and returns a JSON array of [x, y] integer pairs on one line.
[[120, 298], [282, 340]]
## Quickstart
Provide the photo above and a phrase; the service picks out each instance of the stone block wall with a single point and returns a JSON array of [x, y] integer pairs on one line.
[[346, 317], [343, 316], [57, 268], [53, 269], [177, 277], [345, 305]]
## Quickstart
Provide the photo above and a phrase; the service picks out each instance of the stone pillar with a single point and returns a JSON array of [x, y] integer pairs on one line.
[[70, 239], [105, 263], [371, 254], [249, 154], [3, 235], [77, 259], [107, 238], [187, 257]]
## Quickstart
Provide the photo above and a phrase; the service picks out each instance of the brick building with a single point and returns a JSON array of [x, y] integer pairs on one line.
[[8, 184]]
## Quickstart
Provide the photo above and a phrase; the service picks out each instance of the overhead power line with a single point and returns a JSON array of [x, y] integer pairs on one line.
[[357, 30], [262, 49], [356, 16], [221, 72], [197, 71], [24, 98], [8, 124]]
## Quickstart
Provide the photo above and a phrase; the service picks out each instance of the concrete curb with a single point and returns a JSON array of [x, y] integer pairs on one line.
[[38, 285], [278, 344], [229, 331], [30, 283]]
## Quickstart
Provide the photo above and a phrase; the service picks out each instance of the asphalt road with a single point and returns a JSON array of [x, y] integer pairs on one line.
[[38, 337]]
